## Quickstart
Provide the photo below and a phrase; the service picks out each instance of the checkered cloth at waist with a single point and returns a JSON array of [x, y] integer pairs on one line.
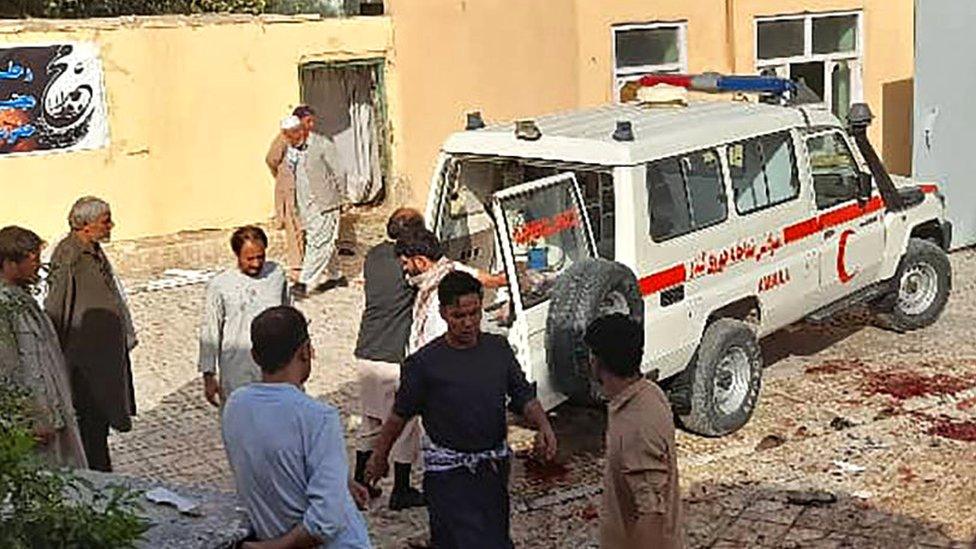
[[439, 459]]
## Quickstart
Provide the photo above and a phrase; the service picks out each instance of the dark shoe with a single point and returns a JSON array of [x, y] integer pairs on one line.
[[347, 252], [340, 282], [359, 475], [407, 498]]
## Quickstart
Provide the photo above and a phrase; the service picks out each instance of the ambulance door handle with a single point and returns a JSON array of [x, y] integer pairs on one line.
[[673, 295], [829, 233], [869, 221]]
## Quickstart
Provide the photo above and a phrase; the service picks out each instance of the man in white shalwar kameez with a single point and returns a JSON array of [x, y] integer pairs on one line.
[[319, 195], [233, 299]]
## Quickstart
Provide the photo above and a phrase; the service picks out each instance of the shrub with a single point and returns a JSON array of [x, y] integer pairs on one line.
[[45, 508]]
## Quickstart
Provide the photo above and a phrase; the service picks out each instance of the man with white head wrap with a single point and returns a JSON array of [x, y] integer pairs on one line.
[[286, 213], [319, 197]]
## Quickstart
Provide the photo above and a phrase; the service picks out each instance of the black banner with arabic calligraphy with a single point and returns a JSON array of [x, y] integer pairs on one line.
[[51, 99]]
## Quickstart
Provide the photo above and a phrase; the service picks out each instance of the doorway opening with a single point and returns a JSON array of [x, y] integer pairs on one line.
[[349, 99]]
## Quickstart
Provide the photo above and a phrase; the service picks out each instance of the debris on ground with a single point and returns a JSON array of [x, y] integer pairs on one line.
[[839, 423], [815, 498], [770, 441], [847, 468]]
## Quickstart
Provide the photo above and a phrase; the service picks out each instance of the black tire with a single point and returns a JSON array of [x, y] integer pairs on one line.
[[703, 415], [921, 308], [582, 294]]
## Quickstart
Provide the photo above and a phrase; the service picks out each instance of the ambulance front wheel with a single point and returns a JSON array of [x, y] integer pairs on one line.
[[920, 289]]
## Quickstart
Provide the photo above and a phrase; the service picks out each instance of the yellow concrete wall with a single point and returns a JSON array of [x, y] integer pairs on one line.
[[721, 37], [888, 61], [193, 104], [707, 39], [192, 109], [506, 58]]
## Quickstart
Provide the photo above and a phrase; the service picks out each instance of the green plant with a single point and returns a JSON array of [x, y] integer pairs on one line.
[[45, 508]]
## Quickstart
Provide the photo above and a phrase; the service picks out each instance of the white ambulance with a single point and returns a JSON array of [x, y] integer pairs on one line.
[[713, 223]]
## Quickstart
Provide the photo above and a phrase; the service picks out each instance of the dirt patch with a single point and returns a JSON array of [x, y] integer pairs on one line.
[[905, 385]]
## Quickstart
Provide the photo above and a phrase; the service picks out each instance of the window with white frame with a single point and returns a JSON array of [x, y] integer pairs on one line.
[[824, 50], [640, 49]]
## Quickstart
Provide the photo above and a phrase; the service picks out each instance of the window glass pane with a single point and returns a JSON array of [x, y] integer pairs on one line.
[[640, 47], [834, 170], [840, 85], [748, 181], [704, 179], [781, 174], [811, 74], [836, 33], [668, 206], [547, 234], [780, 38], [672, 182], [763, 172]]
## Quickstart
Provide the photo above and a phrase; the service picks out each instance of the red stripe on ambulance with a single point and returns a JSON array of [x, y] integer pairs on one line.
[[674, 276]]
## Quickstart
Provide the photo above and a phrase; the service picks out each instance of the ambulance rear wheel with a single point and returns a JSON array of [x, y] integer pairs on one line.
[[585, 291], [721, 385]]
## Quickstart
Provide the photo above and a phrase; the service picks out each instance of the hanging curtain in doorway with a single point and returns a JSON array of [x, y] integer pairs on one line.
[[364, 180]]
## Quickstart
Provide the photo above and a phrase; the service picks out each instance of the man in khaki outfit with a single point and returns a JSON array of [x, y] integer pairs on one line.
[[641, 497], [286, 209]]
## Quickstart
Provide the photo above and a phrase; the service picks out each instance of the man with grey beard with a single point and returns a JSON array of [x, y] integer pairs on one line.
[[90, 314]]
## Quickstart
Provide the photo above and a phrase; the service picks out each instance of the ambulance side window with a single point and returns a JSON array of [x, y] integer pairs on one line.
[[763, 172], [835, 172], [686, 193]]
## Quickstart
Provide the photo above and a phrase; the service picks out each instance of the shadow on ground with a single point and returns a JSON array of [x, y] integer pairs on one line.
[[808, 339]]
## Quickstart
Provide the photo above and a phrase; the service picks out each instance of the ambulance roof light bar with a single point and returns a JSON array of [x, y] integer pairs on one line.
[[711, 82]]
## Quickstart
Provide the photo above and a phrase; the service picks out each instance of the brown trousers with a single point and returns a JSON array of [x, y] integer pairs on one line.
[[286, 214]]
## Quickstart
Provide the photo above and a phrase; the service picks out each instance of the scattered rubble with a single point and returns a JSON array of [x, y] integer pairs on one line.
[[840, 423]]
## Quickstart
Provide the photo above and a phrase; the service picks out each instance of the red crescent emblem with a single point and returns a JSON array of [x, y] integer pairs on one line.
[[842, 273]]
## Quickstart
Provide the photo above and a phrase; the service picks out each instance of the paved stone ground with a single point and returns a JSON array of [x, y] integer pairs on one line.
[[900, 406]]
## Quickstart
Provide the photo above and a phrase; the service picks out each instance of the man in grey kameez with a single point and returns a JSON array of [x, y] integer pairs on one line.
[[92, 319], [319, 195], [30, 357], [233, 299]]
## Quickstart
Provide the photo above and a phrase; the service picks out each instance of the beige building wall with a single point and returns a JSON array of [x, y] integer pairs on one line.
[[505, 58], [721, 37], [193, 105]]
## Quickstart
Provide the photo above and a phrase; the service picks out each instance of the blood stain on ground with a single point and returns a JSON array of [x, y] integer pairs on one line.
[[537, 472], [955, 430], [590, 513], [905, 385], [967, 404]]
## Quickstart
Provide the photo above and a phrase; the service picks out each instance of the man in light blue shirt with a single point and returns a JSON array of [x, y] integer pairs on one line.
[[286, 449]]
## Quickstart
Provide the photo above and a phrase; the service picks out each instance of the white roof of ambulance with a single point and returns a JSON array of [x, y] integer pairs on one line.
[[585, 136]]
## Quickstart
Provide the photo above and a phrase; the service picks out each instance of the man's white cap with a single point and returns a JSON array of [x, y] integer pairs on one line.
[[290, 122]]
